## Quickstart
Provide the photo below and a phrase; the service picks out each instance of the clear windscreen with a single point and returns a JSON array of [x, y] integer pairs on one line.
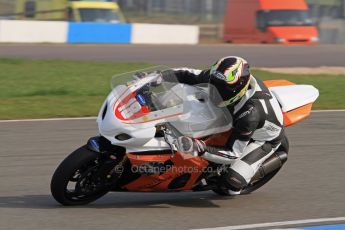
[[201, 115], [189, 108], [128, 78], [151, 90]]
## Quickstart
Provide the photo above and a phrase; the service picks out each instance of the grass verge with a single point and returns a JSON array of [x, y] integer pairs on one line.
[[57, 88]]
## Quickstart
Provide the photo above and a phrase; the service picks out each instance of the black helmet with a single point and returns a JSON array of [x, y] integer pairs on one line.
[[231, 77]]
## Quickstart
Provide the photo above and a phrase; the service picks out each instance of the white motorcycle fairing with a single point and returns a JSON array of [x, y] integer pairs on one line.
[[294, 96], [132, 120], [128, 122]]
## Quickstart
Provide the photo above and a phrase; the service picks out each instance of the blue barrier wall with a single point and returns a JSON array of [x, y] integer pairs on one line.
[[98, 33]]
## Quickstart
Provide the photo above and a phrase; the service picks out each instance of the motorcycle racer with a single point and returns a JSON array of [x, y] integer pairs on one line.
[[157, 134], [258, 129]]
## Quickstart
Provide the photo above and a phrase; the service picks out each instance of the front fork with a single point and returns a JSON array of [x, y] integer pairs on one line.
[[113, 158]]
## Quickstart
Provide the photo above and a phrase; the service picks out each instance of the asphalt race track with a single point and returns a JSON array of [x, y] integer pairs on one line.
[[311, 185], [180, 55]]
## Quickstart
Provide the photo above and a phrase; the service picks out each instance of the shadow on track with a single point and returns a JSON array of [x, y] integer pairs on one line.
[[120, 200]]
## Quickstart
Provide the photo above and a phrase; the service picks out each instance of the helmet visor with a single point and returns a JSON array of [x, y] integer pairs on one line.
[[225, 94]]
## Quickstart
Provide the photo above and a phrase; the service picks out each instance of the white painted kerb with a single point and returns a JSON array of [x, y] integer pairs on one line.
[[276, 224]]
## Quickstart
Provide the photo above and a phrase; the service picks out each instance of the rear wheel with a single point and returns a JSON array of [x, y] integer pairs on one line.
[[78, 179]]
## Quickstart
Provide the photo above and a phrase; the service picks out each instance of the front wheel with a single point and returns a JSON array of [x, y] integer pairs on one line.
[[77, 180]]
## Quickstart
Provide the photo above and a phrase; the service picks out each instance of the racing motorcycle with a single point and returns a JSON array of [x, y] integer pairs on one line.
[[136, 150]]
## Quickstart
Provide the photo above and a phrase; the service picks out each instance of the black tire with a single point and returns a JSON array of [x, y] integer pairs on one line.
[[81, 162], [221, 192]]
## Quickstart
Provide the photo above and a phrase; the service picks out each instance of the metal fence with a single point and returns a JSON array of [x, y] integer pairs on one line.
[[208, 10], [192, 11], [329, 14], [182, 6], [215, 8], [7, 7], [330, 17]]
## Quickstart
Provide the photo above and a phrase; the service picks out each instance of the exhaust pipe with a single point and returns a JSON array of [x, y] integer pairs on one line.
[[273, 163]]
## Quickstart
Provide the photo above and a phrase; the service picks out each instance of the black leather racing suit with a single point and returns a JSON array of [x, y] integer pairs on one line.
[[257, 130]]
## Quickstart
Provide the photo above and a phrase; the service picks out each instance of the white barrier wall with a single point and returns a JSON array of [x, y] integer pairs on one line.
[[64, 32], [164, 34], [33, 31]]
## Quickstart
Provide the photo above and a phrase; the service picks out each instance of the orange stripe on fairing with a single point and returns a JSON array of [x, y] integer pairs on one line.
[[294, 116], [273, 83], [144, 111], [117, 104], [137, 160]]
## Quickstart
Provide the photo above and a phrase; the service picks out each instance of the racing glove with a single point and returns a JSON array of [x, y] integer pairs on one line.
[[159, 79], [191, 146]]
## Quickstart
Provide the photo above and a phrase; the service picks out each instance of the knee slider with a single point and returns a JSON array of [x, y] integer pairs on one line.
[[234, 181]]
